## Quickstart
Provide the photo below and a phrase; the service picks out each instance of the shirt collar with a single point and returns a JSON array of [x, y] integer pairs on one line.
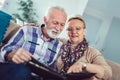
[[41, 35]]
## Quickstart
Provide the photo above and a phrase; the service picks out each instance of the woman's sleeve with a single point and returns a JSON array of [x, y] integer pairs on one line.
[[59, 64], [99, 59]]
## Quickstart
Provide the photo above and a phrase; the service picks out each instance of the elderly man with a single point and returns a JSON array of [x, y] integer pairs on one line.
[[35, 42]]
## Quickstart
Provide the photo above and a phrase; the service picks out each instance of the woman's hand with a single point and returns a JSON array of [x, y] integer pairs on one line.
[[75, 68]]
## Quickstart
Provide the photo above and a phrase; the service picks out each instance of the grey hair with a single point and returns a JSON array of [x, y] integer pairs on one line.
[[49, 10]]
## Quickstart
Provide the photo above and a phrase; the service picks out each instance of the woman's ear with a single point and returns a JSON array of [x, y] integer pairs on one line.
[[85, 31]]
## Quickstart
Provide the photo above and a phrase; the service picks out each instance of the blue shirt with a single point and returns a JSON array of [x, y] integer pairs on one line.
[[31, 39]]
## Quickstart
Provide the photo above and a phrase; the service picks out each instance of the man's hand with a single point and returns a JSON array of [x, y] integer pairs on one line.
[[20, 56]]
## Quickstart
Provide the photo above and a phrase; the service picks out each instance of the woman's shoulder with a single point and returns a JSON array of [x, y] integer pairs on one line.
[[93, 51], [91, 48]]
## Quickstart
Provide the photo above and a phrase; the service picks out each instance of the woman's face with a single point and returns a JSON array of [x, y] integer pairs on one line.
[[76, 31]]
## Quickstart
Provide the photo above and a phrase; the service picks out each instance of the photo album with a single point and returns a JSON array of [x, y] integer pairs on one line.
[[47, 73]]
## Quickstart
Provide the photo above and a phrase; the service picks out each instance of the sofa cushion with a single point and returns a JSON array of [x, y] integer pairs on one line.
[[10, 31], [115, 70]]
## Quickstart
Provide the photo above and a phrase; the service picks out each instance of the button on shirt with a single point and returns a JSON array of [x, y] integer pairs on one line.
[[30, 38]]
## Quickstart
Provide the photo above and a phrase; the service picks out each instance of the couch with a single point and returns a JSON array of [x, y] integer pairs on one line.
[[10, 31]]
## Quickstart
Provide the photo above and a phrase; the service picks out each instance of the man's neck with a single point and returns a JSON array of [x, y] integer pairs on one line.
[[45, 35], [46, 38]]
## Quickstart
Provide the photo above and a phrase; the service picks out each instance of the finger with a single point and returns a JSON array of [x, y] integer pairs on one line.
[[69, 70], [24, 58], [28, 55], [25, 55], [80, 70], [74, 69], [17, 60]]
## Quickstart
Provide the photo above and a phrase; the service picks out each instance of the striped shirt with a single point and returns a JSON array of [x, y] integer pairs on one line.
[[31, 39]]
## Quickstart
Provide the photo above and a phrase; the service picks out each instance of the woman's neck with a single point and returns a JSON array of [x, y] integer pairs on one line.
[[75, 43], [73, 46]]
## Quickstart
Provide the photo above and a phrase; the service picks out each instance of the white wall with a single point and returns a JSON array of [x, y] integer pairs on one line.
[[1, 3], [106, 38], [10, 6], [98, 28], [70, 6], [111, 47]]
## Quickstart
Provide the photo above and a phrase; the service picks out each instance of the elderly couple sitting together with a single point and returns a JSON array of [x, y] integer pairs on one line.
[[74, 55]]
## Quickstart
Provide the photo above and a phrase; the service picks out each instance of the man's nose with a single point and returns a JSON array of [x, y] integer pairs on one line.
[[58, 27]]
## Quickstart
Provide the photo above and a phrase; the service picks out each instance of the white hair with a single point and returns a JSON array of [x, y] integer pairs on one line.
[[49, 10]]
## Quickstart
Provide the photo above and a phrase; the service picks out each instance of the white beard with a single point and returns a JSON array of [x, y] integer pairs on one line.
[[50, 34]]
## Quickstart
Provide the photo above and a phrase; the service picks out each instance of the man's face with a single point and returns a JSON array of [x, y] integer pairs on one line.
[[55, 23]]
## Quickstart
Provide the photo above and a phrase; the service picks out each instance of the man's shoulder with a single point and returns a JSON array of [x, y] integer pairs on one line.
[[29, 28]]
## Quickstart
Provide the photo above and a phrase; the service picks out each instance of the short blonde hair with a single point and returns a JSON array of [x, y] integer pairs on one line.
[[76, 16]]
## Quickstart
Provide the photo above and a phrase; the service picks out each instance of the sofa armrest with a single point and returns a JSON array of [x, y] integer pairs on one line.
[[11, 30], [115, 70]]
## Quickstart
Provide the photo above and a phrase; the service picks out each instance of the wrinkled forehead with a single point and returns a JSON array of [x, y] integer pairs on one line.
[[58, 16]]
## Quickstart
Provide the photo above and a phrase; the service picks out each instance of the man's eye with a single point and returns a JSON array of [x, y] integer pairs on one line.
[[63, 24], [55, 23]]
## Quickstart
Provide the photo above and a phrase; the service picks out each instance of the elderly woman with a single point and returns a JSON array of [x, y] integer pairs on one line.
[[77, 56]]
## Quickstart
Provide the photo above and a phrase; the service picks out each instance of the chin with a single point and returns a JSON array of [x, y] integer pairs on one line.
[[54, 36]]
